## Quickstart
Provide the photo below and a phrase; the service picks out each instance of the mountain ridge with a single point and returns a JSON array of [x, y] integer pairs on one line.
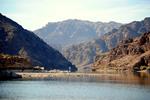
[[73, 31], [105, 42]]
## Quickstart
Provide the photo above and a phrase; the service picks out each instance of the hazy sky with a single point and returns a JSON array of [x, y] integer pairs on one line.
[[33, 14]]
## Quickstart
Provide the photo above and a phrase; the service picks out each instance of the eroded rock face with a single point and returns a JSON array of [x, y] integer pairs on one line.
[[130, 54], [131, 47]]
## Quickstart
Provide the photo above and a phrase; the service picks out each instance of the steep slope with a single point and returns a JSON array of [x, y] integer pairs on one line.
[[131, 30], [131, 54], [70, 32], [85, 53], [15, 40]]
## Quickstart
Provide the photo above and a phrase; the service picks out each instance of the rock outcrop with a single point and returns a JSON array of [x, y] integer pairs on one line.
[[8, 62], [131, 54]]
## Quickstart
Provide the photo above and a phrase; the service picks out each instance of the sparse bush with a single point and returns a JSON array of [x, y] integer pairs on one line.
[[143, 67]]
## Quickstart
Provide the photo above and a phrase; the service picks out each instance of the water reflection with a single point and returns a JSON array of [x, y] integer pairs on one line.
[[120, 77], [64, 90], [126, 78], [80, 86], [110, 77]]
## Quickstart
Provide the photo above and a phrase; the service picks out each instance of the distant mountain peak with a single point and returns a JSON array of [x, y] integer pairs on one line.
[[73, 31]]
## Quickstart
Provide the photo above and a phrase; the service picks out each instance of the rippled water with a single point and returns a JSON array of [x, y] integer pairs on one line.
[[61, 90]]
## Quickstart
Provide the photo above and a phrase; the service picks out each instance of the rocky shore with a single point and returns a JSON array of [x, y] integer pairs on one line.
[[8, 75]]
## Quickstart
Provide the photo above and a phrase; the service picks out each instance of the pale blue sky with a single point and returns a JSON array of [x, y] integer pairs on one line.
[[33, 14]]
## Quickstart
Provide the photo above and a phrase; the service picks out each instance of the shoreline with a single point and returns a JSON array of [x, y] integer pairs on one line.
[[88, 77], [42, 75]]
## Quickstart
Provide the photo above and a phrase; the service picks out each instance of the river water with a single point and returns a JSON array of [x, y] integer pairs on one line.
[[69, 90]]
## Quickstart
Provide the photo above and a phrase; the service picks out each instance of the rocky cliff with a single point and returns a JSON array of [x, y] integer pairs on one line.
[[131, 54], [85, 53], [15, 40]]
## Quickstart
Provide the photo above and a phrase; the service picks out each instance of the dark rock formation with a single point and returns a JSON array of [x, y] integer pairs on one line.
[[8, 75], [15, 40]]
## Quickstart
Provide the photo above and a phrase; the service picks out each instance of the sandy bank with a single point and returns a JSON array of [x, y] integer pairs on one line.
[[62, 75]]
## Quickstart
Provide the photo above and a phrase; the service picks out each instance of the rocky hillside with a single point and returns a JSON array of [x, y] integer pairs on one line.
[[85, 53], [131, 54], [131, 30], [15, 40], [68, 32]]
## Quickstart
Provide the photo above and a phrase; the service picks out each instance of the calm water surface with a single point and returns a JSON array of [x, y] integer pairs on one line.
[[60, 90]]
